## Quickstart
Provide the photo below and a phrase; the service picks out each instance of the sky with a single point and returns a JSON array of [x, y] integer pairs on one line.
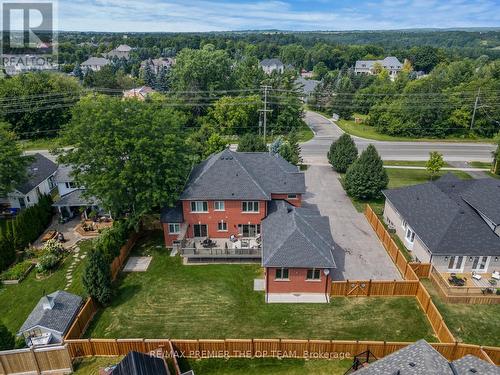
[[223, 15]]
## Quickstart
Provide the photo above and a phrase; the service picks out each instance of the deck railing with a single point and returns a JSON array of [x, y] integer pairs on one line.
[[219, 252]]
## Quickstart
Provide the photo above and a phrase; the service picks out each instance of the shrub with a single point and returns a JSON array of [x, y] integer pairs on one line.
[[252, 143], [7, 339], [366, 177], [343, 152], [52, 254], [7, 250], [97, 277]]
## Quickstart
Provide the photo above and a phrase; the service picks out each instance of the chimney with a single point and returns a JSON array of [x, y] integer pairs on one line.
[[47, 303]]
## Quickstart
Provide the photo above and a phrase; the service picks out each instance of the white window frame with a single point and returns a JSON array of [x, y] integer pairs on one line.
[[486, 264], [253, 204], [314, 270], [224, 225], [282, 271], [173, 225], [292, 196], [220, 204], [70, 185], [455, 258], [196, 205]]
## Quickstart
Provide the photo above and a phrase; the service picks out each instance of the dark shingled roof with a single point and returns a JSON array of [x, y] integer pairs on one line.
[[421, 358], [76, 199], [444, 214], [136, 363], [270, 62], [296, 237], [59, 317], [243, 175], [172, 214], [39, 170]]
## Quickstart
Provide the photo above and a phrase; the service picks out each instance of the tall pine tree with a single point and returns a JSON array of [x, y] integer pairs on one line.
[[343, 152]]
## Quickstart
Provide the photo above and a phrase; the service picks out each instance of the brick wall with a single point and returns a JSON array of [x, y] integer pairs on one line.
[[297, 282]]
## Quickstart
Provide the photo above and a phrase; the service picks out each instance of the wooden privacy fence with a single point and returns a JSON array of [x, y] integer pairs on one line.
[[118, 262], [82, 320], [46, 360], [266, 348], [406, 268]]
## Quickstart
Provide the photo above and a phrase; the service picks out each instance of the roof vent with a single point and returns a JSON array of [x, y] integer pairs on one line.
[[47, 303], [462, 212], [473, 370], [35, 169], [412, 364]]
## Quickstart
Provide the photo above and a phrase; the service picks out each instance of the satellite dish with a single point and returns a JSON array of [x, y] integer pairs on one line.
[[326, 271]]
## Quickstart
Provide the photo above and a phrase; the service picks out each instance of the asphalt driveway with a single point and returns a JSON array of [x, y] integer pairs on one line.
[[362, 256]]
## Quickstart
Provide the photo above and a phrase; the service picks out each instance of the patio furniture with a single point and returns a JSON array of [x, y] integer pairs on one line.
[[496, 275], [476, 276], [456, 281], [492, 282], [207, 243], [49, 235]]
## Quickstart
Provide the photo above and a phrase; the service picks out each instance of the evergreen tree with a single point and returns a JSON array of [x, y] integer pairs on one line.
[[149, 76], [97, 277], [161, 83], [290, 149], [77, 72], [7, 339], [343, 152], [366, 177], [252, 143], [7, 251]]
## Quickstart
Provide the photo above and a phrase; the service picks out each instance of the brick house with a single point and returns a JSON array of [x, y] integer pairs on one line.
[[255, 198], [297, 254], [228, 195]]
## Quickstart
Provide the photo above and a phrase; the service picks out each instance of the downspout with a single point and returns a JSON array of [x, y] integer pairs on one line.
[[267, 285], [326, 287]]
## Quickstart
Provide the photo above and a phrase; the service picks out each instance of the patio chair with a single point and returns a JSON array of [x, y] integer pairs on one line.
[[495, 275]]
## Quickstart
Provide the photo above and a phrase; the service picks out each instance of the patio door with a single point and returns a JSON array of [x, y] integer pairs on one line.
[[479, 264], [249, 230], [456, 263], [200, 230]]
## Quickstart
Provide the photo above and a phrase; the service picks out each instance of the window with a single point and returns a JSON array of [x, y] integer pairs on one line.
[[219, 206], [313, 274], [199, 206], [456, 263], [251, 206], [28, 198], [70, 185], [249, 230], [174, 228], [222, 226], [410, 235], [281, 274], [292, 196], [404, 223]]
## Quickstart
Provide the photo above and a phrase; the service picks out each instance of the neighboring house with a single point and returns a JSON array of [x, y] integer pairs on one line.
[[120, 52], [297, 254], [228, 195], [136, 363], [157, 64], [51, 318], [40, 181], [452, 223], [306, 86], [421, 358], [72, 202], [140, 93], [391, 64], [94, 63], [272, 65]]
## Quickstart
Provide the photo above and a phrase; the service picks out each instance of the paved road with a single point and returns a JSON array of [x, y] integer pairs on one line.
[[363, 256], [314, 151]]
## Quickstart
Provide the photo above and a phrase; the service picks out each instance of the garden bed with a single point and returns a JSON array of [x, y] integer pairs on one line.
[[17, 273]]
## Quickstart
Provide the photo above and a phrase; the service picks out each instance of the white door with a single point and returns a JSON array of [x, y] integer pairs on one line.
[[480, 264], [456, 264]]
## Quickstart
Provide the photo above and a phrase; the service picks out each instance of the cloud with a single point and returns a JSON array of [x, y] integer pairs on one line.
[[219, 15]]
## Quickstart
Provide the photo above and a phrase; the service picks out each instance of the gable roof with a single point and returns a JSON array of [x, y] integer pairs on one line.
[[421, 358], [439, 214], [390, 62], [307, 86], [271, 62], [63, 174], [75, 198], [39, 170], [95, 61], [123, 48], [243, 175], [136, 363], [59, 317], [296, 237]]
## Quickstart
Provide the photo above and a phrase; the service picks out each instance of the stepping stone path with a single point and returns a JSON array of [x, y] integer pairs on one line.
[[77, 257]]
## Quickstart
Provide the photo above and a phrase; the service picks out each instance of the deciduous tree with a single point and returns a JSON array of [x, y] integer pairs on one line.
[[12, 163], [435, 163]]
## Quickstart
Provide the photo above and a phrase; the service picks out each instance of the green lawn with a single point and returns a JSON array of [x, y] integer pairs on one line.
[[305, 133], [270, 366], [369, 132], [409, 163], [40, 144], [17, 301], [473, 324], [91, 366], [480, 164], [172, 300]]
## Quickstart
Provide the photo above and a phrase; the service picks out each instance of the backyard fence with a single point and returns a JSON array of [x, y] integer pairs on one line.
[[82, 320], [367, 288], [46, 360], [409, 271], [266, 348], [118, 262], [461, 294]]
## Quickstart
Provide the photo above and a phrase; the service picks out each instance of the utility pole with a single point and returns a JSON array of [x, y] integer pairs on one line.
[[265, 110], [475, 108]]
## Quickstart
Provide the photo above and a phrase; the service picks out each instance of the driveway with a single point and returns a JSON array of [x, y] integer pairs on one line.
[[363, 256]]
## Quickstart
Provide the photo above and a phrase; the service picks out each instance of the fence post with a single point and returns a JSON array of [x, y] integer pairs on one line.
[[35, 361], [253, 349], [2, 368], [454, 353], [346, 286], [393, 286]]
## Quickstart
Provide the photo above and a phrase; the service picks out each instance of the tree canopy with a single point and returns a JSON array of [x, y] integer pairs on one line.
[[12, 163]]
